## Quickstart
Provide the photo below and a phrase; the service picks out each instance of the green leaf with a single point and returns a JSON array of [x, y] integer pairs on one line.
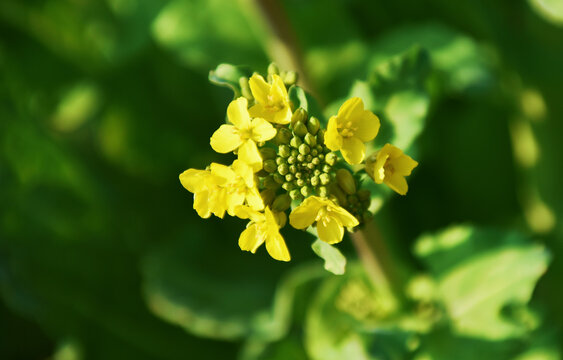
[[335, 262], [479, 274], [550, 10], [228, 75], [301, 99]]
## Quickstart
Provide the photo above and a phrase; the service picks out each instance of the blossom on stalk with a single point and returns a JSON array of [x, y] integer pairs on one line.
[[350, 129], [240, 185], [272, 100], [210, 196], [329, 218], [390, 166], [243, 134], [262, 227]]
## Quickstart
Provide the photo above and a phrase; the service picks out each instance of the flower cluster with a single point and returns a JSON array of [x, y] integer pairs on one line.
[[286, 162]]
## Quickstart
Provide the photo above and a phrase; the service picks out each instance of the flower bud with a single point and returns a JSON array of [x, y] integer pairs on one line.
[[316, 161], [295, 142], [300, 158], [295, 194], [290, 78], [317, 172], [327, 168], [315, 181], [331, 158], [300, 129], [268, 153], [313, 125], [310, 139], [270, 183], [283, 169], [308, 158], [304, 149], [300, 182], [284, 151], [292, 169], [281, 203], [245, 88], [300, 115], [273, 69], [292, 159], [324, 178], [323, 191], [298, 175], [281, 218], [280, 160], [339, 194], [321, 136], [314, 152], [346, 181], [283, 136], [270, 166], [306, 191], [310, 166], [268, 196], [278, 178], [289, 177], [288, 186]]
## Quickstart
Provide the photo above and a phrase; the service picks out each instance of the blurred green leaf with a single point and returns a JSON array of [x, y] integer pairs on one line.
[[228, 75], [335, 262], [481, 272], [550, 10]]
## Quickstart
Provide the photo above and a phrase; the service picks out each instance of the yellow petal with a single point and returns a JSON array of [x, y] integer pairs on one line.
[[397, 183], [248, 152], [378, 168], [305, 214], [353, 150], [245, 212], [244, 171], [223, 172], [367, 126], [351, 110], [275, 243], [237, 113], [330, 230], [194, 180], [278, 90], [201, 204], [218, 201], [344, 217], [234, 200], [404, 165], [258, 111], [333, 140], [226, 139], [260, 88], [283, 116], [254, 199], [262, 130], [251, 239]]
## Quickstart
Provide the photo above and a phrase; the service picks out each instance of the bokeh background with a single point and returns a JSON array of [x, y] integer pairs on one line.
[[103, 103]]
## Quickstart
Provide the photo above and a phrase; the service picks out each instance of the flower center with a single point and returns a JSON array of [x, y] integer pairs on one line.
[[347, 130], [273, 105]]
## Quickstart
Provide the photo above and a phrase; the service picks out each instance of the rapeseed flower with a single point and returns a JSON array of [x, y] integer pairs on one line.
[[210, 197], [272, 100], [390, 166], [350, 129]]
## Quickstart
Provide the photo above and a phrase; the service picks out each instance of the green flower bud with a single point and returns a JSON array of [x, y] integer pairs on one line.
[[327, 168], [300, 158], [294, 152], [304, 149], [315, 161], [288, 186], [270, 183], [295, 194], [268, 196], [292, 169], [363, 195], [283, 169], [321, 157], [300, 182], [310, 140], [284, 150], [331, 158], [295, 142], [262, 173], [321, 136], [300, 129], [245, 88], [315, 181], [270, 166], [298, 175], [306, 191], [278, 178], [283, 136], [339, 194], [268, 153], [273, 69], [311, 166], [290, 78], [281, 203], [300, 115], [346, 181], [313, 125], [292, 159], [314, 152], [325, 178], [309, 158], [317, 172], [289, 177], [280, 160]]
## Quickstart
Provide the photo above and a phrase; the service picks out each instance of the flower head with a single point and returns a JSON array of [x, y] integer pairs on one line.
[[210, 196], [390, 166], [243, 134], [329, 217], [272, 101], [350, 129], [239, 187], [262, 227]]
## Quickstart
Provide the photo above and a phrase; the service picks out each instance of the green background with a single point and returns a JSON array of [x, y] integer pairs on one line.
[[104, 103]]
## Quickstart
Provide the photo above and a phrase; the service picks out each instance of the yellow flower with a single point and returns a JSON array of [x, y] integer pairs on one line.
[[390, 166], [350, 129], [262, 228], [272, 101], [243, 134], [209, 195], [330, 218], [239, 186]]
